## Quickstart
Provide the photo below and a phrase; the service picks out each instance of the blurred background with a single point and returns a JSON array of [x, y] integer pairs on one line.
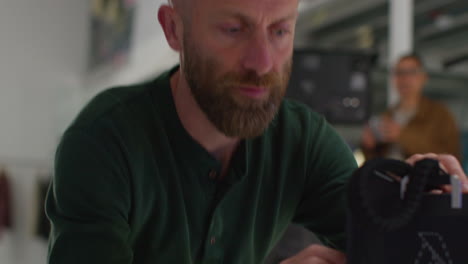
[[56, 55]]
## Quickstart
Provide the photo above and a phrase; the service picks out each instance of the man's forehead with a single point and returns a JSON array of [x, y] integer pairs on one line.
[[252, 8]]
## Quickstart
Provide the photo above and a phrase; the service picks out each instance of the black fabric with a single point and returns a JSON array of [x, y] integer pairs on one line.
[[420, 228]]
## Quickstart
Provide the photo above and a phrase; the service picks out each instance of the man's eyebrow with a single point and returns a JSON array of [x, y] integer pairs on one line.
[[235, 14], [287, 17]]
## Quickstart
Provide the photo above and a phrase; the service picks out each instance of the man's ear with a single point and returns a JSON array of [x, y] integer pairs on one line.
[[169, 22]]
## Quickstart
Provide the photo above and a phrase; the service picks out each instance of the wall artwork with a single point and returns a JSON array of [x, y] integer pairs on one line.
[[111, 29]]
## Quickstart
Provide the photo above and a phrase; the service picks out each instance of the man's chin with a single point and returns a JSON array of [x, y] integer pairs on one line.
[[245, 101]]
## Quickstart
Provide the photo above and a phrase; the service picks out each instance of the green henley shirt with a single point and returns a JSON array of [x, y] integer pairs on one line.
[[132, 186]]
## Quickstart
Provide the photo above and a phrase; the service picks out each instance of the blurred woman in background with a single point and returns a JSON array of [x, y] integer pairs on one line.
[[416, 124]]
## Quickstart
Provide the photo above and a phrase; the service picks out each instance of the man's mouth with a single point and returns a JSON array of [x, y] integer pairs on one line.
[[253, 91]]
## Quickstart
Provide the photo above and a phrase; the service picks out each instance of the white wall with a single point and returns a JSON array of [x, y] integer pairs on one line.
[[41, 51], [42, 64]]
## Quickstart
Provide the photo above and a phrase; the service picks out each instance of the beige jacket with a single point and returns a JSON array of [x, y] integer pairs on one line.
[[432, 129]]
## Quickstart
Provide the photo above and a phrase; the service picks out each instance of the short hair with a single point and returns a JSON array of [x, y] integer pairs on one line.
[[413, 56]]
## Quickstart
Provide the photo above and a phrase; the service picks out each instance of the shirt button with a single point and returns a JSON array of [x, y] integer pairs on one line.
[[213, 174], [213, 240]]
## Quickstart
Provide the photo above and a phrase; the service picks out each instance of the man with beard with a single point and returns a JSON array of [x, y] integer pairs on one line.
[[207, 163]]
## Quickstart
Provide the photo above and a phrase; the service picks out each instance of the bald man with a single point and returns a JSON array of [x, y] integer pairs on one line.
[[207, 163]]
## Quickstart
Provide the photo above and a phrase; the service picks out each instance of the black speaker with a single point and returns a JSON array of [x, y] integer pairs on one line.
[[333, 83]]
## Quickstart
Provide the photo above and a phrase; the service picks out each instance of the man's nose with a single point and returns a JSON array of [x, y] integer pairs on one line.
[[258, 55]]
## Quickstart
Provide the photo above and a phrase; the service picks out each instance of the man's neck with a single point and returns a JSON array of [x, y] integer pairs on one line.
[[198, 125]]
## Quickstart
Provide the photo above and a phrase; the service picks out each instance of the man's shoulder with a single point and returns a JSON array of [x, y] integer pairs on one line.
[[293, 113], [435, 108], [305, 131], [114, 103], [433, 103], [298, 124]]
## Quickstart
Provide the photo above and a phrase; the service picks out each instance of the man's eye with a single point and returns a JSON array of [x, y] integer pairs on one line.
[[281, 32], [233, 30]]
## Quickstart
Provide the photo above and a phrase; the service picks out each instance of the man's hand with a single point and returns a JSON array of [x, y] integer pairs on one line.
[[317, 254], [390, 130], [448, 163], [368, 138]]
